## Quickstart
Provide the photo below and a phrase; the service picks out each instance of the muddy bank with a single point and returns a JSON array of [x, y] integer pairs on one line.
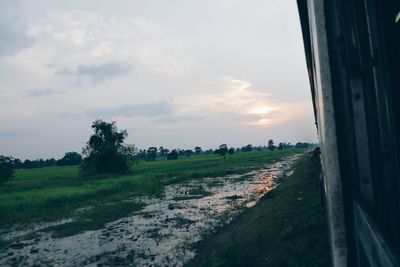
[[161, 234]]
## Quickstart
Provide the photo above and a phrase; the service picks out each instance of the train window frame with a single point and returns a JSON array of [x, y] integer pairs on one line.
[[360, 55]]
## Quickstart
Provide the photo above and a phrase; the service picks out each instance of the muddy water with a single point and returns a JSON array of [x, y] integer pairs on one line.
[[161, 234]]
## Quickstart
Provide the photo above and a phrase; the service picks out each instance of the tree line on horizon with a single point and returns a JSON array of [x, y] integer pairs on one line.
[[151, 154], [105, 152]]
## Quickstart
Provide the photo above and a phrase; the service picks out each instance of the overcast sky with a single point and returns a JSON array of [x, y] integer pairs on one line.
[[177, 73]]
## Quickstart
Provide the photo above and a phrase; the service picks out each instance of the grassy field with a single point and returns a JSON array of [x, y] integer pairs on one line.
[[287, 227], [54, 193]]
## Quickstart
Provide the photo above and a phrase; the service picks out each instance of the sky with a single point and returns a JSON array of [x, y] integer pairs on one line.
[[176, 73]]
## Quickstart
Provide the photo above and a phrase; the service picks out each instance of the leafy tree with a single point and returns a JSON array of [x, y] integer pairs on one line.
[[286, 145], [28, 164], [197, 150], [222, 150], [247, 148], [151, 153], [209, 151], [163, 151], [280, 146], [271, 145], [17, 164], [188, 152], [181, 152], [172, 155], [142, 154], [6, 169], [70, 158], [131, 152], [231, 151], [105, 151], [302, 145], [52, 162]]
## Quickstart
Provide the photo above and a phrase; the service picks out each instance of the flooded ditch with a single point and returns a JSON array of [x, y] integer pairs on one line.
[[163, 233]]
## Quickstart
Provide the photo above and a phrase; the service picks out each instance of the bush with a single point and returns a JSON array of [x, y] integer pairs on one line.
[[172, 155], [105, 151], [70, 158], [6, 169]]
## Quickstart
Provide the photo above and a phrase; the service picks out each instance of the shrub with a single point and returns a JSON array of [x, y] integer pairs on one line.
[[105, 151], [6, 169]]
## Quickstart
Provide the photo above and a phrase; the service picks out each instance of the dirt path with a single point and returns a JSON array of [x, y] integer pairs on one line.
[[161, 234]]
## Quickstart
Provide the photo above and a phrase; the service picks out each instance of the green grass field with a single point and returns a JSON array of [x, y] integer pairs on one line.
[[288, 227], [54, 193]]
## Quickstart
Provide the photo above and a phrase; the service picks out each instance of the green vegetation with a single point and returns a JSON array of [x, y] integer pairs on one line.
[[287, 227], [56, 192], [105, 152], [6, 170], [70, 158]]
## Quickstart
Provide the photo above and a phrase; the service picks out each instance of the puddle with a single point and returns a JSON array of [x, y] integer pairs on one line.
[[161, 234]]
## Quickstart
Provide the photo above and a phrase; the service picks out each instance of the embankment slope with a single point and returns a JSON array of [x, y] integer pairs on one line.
[[287, 227]]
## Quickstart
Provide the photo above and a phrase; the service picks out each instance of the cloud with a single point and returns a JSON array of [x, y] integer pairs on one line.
[[160, 112], [71, 115], [16, 133], [42, 92], [78, 34], [99, 73], [239, 102], [147, 110], [229, 95], [180, 118], [13, 37]]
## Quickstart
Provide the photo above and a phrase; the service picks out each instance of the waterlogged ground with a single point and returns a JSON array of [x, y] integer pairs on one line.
[[163, 233]]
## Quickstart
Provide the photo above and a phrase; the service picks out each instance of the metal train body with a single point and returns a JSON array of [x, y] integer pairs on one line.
[[353, 59]]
